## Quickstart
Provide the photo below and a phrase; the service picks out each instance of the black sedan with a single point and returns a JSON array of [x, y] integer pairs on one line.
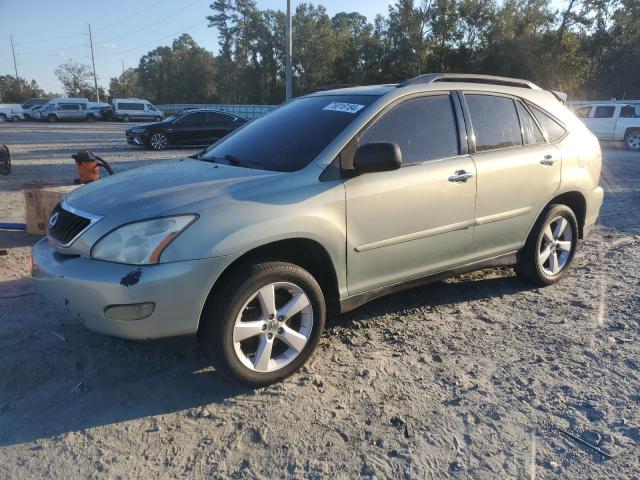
[[194, 128]]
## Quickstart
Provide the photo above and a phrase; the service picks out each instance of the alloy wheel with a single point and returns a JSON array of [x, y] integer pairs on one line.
[[633, 141], [159, 141], [556, 246], [273, 327]]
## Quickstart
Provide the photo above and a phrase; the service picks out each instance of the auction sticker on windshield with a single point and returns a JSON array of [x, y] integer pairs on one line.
[[344, 107]]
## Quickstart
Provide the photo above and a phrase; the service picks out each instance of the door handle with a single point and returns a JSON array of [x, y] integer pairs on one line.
[[548, 160], [461, 176]]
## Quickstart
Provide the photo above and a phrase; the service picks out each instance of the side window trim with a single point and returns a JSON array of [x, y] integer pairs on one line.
[[531, 105], [348, 151], [545, 135]]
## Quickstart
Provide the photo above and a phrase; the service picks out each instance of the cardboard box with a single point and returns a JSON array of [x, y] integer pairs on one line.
[[40, 202]]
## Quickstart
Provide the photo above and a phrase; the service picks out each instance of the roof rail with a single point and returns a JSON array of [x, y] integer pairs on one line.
[[470, 78]]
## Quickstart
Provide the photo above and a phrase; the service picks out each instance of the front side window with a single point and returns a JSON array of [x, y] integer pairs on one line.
[[604, 112], [151, 107], [424, 128], [291, 136], [531, 134], [554, 130], [495, 122]]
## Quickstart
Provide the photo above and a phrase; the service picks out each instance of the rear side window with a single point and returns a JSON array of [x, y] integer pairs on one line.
[[424, 128], [213, 117], [531, 133], [130, 106], [193, 119], [554, 130], [495, 122], [628, 111], [604, 112], [69, 106]]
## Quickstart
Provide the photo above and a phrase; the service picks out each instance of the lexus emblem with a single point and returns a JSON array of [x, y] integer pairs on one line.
[[53, 220]]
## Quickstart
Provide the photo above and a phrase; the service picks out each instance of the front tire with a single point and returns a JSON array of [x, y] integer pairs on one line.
[[550, 248], [52, 119], [125, 118], [3, 118], [632, 140], [158, 141], [264, 323], [91, 118]]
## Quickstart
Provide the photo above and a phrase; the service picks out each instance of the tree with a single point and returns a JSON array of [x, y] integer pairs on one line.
[[18, 90], [75, 78], [125, 85]]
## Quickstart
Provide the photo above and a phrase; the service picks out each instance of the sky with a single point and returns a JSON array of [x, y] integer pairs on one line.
[[48, 32]]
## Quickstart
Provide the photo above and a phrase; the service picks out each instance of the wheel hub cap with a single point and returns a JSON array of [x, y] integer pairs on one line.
[[556, 246], [273, 327]]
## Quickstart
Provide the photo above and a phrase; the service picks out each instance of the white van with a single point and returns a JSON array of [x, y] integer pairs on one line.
[[126, 109]]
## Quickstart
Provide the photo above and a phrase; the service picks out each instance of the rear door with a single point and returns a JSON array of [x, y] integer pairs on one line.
[[518, 170], [603, 121], [218, 125], [418, 219], [190, 129]]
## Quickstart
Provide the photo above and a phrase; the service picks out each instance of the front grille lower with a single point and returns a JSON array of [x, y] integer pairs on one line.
[[67, 226]]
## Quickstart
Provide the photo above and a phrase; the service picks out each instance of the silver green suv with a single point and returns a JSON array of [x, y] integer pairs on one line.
[[327, 202]]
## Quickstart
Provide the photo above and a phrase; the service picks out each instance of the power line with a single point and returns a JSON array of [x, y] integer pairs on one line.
[[137, 30], [183, 30], [119, 22]]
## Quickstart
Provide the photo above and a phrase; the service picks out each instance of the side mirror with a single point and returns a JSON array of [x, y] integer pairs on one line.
[[377, 157]]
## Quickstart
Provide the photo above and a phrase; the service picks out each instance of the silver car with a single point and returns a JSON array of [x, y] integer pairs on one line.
[[327, 202]]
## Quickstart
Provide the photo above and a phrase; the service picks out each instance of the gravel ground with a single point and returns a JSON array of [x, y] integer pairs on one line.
[[476, 377]]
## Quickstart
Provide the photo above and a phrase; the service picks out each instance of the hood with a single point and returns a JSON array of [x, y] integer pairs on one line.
[[167, 187]]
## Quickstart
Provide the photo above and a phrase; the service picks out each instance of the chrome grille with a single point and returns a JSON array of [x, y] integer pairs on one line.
[[67, 226]]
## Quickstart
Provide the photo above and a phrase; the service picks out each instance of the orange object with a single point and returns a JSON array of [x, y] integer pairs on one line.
[[88, 166]]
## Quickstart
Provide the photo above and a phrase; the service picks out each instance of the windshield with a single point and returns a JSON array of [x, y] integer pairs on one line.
[[290, 137]]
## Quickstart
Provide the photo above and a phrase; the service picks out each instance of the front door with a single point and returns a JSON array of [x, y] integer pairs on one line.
[[190, 130], [417, 220]]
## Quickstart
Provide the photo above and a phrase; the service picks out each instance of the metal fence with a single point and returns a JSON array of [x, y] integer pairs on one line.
[[246, 111]]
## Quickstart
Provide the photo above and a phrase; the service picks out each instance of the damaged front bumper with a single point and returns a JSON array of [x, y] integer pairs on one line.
[[87, 288]]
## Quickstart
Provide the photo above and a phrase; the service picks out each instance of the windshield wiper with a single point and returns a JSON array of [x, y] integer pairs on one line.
[[229, 159]]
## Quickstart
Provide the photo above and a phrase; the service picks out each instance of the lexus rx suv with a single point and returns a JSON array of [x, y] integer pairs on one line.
[[327, 202]]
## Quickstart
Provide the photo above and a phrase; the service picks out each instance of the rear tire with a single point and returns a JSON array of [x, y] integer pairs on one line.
[[91, 118], [52, 119], [248, 344], [3, 118], [125, 118], [632, 140], [550, 247]]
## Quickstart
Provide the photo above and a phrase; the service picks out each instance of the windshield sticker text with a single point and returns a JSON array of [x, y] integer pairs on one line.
[[343, 107]]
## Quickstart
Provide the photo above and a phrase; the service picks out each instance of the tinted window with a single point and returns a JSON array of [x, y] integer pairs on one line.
[[583, 112], [531, 134], [291, 136], [67, 106], [554, 130], [130, 106], [193, 120], [494, 121], [604, 112], [424, 128], [151, 107], [213, 117], [628, 111]]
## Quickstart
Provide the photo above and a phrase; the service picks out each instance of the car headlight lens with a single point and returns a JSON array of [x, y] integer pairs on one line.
[[141, 243]]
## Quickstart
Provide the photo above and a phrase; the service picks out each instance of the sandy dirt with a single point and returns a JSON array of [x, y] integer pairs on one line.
[[477, 377]]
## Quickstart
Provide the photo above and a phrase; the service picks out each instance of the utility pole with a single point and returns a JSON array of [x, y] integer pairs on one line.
[[289, 75], [124, 80], [13, 52], [93, 62]]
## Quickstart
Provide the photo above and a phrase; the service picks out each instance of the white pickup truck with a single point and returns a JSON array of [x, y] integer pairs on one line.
[[617, 121]]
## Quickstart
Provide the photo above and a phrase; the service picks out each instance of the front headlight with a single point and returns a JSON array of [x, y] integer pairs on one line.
[[141, 243], [137, 130]]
